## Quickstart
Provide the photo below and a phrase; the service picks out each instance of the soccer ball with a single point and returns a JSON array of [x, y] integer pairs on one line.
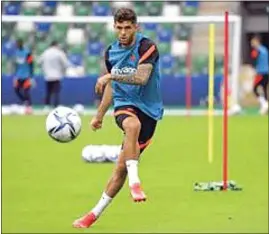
[[63, 124]]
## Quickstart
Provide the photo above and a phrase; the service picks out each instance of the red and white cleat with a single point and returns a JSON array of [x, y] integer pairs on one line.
[[85, 221], [137, 193]]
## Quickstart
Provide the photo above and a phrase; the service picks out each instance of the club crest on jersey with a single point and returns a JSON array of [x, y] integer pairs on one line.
[[124, 70], [132, 57]]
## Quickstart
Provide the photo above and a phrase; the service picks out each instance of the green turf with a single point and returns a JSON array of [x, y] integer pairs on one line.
[[46, 185]]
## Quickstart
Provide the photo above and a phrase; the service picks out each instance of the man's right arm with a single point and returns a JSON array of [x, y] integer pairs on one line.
[[105, 102], [107, 94]]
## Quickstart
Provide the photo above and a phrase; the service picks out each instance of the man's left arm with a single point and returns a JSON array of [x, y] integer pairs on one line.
[[140, 77], [148, 54]]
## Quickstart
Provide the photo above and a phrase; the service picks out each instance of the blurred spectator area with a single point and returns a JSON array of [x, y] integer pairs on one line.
[[85, 43]]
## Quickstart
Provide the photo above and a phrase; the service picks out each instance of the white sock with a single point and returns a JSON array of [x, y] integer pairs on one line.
[[132, 171], [262, 101], [101, 205]]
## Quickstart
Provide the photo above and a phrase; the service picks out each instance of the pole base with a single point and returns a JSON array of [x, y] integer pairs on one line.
[[216, 186]]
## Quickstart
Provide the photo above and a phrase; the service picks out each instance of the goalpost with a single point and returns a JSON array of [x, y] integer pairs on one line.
[[234, 20]]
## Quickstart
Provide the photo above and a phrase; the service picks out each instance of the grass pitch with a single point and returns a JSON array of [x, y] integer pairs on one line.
[[46, 185]]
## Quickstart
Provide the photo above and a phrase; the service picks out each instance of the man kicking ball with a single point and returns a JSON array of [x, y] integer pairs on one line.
[[133, 83]]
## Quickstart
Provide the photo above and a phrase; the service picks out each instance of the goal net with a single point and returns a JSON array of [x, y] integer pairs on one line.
[[183, 44]]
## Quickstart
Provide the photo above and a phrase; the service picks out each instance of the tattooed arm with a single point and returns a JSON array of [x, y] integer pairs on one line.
[[140, 77]]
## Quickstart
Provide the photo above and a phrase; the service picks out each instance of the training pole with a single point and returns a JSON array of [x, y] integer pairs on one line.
[[211, 92], [225, 104]]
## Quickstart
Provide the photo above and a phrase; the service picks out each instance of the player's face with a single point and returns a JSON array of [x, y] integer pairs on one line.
[[125, 32], [254, 42]]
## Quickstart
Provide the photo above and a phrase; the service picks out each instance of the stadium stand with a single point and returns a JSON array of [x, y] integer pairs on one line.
[[85, 43]]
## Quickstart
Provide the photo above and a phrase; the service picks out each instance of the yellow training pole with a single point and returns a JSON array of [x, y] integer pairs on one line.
[[211, 91]]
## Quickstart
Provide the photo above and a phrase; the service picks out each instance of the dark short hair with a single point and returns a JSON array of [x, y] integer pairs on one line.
[[125, 14], [257, 37], [19, 41], [54, 43]]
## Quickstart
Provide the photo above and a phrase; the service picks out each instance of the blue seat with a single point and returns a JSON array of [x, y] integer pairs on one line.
[[12, 9], [75, 59], [99, 10], [165, 35], [8, 48], [95, 48], [167, 61], [150, 26], [51, 4], [43, 27], [192, 3]]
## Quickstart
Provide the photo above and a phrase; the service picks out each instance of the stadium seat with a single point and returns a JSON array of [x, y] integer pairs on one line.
[[167, 26], [189, 10], [150, 26], [101, 10], [93, 65], [150, 34], [119, 4], [103, 3], [154, 8], [43, 27], [8, 48], [164, 48], [179, 48], [12, 9], [183, 32], [171, 10], [72, 3], [109, 38], [25, 26], [180, 61], [164, 35], [75, 59], [192, 3], [46, 10], [140, 8], [167, 61], [41, 47], [75, 36], [51, 4], [200, 64], [76, 49], [64, 10], [30, 11], [32, 4], [82, 10], [95, 48], [96, 31]]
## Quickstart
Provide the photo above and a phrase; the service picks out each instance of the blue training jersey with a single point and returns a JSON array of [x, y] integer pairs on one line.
[[125, 60], [24, 64], [261, 60]]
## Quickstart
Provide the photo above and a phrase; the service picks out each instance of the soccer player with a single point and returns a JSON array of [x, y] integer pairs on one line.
[[23, 75], [260, 61], [54, 64], [133, 84]]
